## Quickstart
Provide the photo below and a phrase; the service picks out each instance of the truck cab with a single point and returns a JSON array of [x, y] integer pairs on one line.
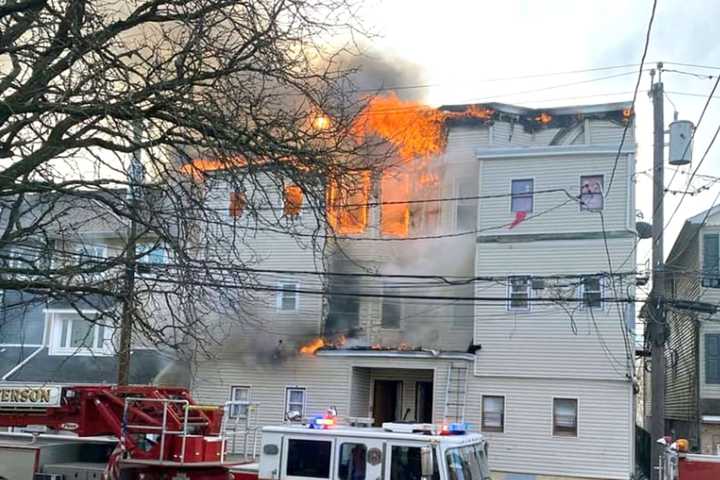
[[397, 451]]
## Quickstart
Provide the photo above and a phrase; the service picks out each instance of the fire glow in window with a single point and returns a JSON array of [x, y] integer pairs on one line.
[[237, 204], [293, 200], [395, 216], [348, 204]]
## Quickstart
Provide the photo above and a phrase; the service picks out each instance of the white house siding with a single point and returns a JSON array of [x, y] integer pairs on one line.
[[708, 324], [602, 448], [545, 334], [551, 173]]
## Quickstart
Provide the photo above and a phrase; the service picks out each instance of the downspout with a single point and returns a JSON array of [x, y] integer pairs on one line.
[[21, 364], [698, 422]]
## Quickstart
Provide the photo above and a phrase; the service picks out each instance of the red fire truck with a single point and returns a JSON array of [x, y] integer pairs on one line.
[[154, 432], [678, 464]]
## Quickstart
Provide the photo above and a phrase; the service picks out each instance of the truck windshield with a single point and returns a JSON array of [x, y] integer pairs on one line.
[[467, 463]]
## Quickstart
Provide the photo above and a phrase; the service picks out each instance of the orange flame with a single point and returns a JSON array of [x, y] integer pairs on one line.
[[395, 217], [347, 209], [313, 346]]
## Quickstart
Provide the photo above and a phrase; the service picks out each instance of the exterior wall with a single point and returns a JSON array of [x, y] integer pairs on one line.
[[710, 439], [573, 342], [602, 448]]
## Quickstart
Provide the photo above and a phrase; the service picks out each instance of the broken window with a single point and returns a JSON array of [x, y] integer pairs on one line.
[[591, 193], [292, 201], [391, 309], [465, 207], [592, 292], [565, 414], [348, 203], [343, 310], [238, 202], [395, 214], [519, 293], [522, 195]]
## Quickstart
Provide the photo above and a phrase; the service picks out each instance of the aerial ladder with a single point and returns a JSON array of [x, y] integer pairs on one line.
[[162, 432]]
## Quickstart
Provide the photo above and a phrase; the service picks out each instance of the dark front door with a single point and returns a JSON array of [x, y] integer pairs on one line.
[[423, 402], [385, 401]]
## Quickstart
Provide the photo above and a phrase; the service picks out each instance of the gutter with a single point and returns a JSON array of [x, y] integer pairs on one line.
[[21, 364], [396, 354]]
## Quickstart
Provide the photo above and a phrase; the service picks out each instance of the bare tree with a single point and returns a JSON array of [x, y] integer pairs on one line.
[[228, 91]]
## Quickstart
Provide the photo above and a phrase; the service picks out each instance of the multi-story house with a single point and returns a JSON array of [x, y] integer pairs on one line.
[[63, 338], [495, 297], [692, 375]]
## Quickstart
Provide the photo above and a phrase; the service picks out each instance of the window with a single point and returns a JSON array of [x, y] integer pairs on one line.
[[467, 463], [238, 202], [89, 257], [288, 298], [711, 261], [151, 253], [406, 464], [295, 400], [712, 358], [239, 394], [308, 458], [352, 461], [493, 413], [591, 193], [522, 195], [292, 201], [565, 414], [73, 334], [592, 289], [343, 311], [519, 293], [391, 309], [465, 208]]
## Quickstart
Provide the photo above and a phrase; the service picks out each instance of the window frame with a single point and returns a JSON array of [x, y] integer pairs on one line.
[[705, 357], [286, 403], [485, 428], [81, 256], [464, 203], [577, 418], [584, 208], [281, 293], [602, 289], [54, 319], [528, 289], [233, 389], [514, 196], [397, 302], [707, 280]]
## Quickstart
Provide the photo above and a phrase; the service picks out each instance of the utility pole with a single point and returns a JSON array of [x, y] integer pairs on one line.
[[656, 325], [136, 177]]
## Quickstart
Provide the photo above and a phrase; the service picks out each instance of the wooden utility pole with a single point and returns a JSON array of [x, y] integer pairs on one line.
[[656, 325], [136, 176]]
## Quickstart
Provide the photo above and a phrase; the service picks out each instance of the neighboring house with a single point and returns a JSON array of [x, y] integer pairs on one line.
[[52, 338], [692, 390], [548, 381]]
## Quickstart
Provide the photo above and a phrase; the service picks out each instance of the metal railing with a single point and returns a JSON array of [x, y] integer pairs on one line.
[[240, 425], [162, 428]]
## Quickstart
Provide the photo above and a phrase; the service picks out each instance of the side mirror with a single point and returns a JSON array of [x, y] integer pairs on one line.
[[427, 462]]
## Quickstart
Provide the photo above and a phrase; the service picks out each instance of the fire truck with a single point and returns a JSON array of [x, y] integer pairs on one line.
[[323, 449], [159, 433], [677, 464]]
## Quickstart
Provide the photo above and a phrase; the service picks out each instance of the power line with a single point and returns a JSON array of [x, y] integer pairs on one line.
[[635, 92]]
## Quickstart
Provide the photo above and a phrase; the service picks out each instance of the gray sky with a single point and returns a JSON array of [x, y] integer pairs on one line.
[[460, 44]]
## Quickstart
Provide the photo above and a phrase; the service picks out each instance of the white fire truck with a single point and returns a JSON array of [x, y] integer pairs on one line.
[[397, 451]]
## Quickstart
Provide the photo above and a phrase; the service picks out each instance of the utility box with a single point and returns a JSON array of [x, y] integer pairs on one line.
[[681, 133]]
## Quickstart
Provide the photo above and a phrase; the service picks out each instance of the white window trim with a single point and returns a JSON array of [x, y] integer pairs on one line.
[[232, 399], [55, 334], [580, 205], [509, 306], [577, 417], [523, 179], [281, 292], [581, 293], [286, 400], [482, 412]]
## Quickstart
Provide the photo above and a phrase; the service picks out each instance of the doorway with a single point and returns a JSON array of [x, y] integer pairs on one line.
[[386, 401], [423, 402]]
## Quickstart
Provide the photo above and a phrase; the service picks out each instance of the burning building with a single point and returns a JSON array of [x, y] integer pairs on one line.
[[462, 282]]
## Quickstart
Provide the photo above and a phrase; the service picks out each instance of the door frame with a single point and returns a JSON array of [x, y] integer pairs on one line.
[[399, 392]]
